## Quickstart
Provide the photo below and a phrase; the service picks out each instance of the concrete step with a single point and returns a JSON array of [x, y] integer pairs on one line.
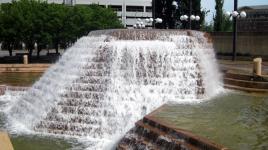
[[234, 87], [246, 83], [155, 134], [238, 76], [246, 77]]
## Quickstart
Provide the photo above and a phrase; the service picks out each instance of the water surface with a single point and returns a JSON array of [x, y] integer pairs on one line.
[[19, 79], [237, 121]]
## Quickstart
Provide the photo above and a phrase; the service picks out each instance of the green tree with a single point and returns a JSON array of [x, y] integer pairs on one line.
[[227, 24], [33, 21], [58, 16], [218, 19], [207, 27], [221, 22], [9, 27], [29, 23], [103, 18]]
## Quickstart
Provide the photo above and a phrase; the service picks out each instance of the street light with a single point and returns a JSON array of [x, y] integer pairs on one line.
[[158, 20], [197, 18], [23, 46], [235, 14], [35, 46], [243, 14], [140, 24], [175, 4], [192, 18]]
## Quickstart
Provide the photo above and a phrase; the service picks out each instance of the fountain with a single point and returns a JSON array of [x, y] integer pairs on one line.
[[110, 79]]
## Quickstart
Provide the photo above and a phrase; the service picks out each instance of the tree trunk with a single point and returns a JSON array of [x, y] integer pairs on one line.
[[57, 48], [39, 49], [10, 51], [30, 54]]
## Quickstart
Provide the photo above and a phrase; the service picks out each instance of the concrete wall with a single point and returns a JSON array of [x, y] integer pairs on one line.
[[248, 43]]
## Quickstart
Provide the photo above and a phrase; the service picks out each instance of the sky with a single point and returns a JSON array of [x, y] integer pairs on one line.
[[228, 5]]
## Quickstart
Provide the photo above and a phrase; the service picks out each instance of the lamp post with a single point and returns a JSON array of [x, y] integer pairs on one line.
[[235, 14], [140, 24], [153, 4], [234, 30], [190, 12], [176, 6], [192, 18]]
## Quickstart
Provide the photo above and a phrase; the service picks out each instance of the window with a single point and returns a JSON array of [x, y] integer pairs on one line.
[[135, 8], [116, 7], [149, 9]]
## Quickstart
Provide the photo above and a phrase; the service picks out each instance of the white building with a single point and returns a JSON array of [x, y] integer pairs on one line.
[[127, 10]]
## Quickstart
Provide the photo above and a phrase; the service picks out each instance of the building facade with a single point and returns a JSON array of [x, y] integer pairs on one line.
[[256, 20], [128, 11]]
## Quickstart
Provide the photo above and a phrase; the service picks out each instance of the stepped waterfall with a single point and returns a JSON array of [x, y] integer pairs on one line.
[[110, 79]]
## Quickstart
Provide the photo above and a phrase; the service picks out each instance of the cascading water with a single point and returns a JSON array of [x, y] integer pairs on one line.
[[107, 81]]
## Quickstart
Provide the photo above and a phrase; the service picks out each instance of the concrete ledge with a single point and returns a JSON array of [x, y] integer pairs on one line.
[[5, 143], [246, 84], [3, 88], [245, 89], [7, 68]]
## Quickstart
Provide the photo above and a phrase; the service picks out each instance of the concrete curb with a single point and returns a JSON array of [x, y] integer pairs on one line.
[[7, 68]]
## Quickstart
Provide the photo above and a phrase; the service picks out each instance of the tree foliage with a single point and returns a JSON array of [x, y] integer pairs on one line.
[[33, 21], [221, 22], [171, 15]]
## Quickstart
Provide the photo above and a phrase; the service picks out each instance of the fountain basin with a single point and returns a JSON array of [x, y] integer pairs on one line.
[[154, 133]]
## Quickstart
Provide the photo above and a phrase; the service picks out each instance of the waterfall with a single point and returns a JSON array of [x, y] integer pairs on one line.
[[110, 79]]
